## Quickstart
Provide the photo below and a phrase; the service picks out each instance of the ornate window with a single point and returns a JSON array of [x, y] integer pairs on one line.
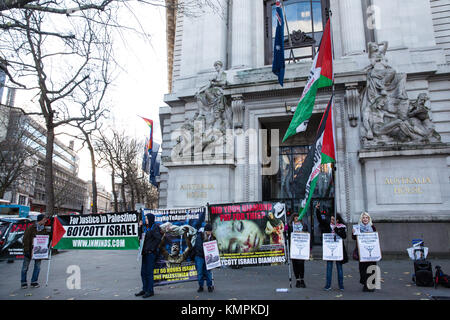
[[306, 20]]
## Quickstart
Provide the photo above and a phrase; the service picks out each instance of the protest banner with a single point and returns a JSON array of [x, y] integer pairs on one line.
[[249, 233], [332, 247], [211, 252], [369, 247], [180, 226], [300, 245], [40, 247], [107, 231], [11, 238]]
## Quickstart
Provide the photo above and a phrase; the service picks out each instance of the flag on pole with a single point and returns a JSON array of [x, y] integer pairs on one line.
[[150, 141], [321, 76], [154, 171], [321, 152], [278, 65]]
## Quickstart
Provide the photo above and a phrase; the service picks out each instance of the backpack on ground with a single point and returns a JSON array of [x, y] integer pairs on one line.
[[440, 278]]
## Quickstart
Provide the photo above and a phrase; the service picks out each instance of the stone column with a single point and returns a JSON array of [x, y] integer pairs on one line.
[[352, 27], [241, 34]]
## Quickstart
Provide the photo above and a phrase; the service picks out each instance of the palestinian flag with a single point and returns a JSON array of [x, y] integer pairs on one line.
[[321, 152], [321, 76]]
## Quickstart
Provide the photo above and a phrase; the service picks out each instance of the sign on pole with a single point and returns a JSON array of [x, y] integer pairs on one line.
[[300, 245], [369, 247], [211, 251], [333, 249]]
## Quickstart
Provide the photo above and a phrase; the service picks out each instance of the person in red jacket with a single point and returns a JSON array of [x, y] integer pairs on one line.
[[365, 225]]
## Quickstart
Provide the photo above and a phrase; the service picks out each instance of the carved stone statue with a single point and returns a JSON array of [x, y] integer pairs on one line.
[[213, 110], [212, 102], [421, 119], [387, 116]]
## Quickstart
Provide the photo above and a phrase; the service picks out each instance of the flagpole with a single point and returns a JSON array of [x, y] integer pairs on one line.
[[332, 115], [291, 54]]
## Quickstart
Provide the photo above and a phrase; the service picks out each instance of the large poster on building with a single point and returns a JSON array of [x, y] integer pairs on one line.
[[175, 262], [249, 233], [11, 238], [108, 231]]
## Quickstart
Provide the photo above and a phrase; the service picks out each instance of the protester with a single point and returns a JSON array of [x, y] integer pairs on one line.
[[38, 228], [365, 225], [199, 256], [150, 247], [297, 225], [338, 228], [323, 218]]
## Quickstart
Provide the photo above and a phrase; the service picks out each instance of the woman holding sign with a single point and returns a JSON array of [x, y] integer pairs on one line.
[[338, 228], [365, 225], [298, 265]]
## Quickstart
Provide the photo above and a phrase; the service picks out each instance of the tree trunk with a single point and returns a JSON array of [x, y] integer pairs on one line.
[[113, 182], [49, 191], [122, 189], [94, 181]]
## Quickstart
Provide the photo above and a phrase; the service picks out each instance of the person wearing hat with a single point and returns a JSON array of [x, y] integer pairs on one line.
[[37, 228], [150, 250], [199, 257]]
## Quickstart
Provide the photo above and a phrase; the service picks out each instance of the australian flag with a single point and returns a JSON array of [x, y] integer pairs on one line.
[[278, 49]]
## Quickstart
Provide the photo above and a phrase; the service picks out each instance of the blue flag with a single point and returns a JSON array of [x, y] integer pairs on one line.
[[278, 49], [154, 167]]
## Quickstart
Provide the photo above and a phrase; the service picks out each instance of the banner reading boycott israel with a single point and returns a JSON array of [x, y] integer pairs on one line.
[[108, 231], [180, 226], [249, 233]]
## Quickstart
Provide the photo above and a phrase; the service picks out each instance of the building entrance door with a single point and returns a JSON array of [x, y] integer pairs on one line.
[[285, 186]]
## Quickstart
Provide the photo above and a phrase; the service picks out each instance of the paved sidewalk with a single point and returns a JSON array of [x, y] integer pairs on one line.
[[115, 275]]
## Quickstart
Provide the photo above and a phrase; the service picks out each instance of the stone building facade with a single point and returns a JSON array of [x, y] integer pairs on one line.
[[391, 112]]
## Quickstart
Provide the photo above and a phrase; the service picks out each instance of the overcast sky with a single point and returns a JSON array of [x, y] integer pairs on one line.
[[140, 85], [140, 88]]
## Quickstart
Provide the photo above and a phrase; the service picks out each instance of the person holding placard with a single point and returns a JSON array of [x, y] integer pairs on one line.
[[296, 226], [199, 256], [365, 225], [338, 228], [31, 232]]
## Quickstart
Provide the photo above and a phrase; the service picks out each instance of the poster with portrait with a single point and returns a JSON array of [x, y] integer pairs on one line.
[[180, 227], [300, 245], [211, 251], [332, 247], [369, 247], [249, 233], [40, 247]]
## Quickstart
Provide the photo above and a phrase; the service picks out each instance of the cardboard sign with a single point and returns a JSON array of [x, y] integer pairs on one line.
[[211, 251], [300, 245], [332, 247], [369, 247], [40, 247]]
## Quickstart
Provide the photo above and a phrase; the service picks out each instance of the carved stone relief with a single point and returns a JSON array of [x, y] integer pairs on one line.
[[388, 117]]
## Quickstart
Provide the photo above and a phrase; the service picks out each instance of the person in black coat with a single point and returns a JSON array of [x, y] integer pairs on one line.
[[365, 225], [337, 227], [296, 225], [199, 257], [150, 247]]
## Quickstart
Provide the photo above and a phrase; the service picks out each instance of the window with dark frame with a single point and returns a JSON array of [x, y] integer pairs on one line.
[[306, 20]]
